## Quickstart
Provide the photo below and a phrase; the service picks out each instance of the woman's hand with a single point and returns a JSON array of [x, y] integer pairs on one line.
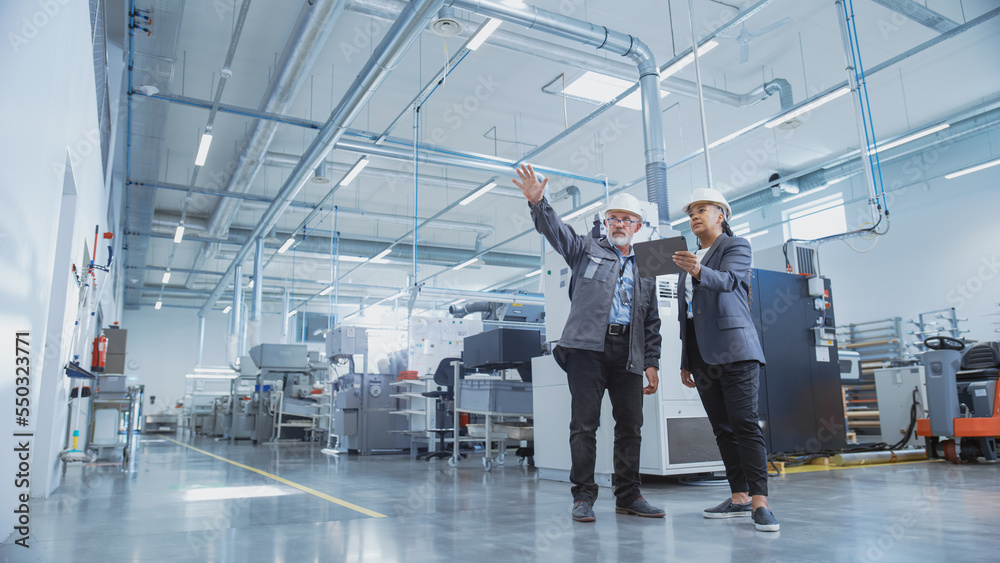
[[686, 378], [689, 262]]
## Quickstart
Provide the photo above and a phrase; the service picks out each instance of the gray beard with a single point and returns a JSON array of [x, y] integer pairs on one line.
[[620, 240]]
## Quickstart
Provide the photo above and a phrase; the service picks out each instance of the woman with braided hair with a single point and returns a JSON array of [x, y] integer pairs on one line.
[[721, 353]]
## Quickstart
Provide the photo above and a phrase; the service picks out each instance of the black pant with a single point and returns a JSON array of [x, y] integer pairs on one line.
[[589, 374], [729, 395]]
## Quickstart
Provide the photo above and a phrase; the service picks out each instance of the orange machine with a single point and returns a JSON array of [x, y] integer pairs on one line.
[[963, 397]]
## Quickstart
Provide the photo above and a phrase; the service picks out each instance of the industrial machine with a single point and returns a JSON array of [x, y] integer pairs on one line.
[[286, 405], [902, 399], [800, 404], [963, 401], [363, 404]]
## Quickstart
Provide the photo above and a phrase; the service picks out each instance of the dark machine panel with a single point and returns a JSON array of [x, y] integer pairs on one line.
[[800, 401], [504, 348]]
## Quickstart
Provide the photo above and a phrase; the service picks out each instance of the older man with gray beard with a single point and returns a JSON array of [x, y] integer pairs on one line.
[[612, 338]]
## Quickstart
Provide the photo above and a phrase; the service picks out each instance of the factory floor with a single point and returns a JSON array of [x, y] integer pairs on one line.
[[203, 500]]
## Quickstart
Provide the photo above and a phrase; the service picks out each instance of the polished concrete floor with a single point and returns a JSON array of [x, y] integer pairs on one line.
[[178, 504]]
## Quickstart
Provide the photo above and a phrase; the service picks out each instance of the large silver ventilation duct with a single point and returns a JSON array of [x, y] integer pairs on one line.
[[826, 176], [532, 46], [360, 247], [384, 59], [389, 175], [616, 42], [313, 26]]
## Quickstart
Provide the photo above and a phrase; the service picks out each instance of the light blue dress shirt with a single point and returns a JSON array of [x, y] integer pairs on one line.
[[620, 313]]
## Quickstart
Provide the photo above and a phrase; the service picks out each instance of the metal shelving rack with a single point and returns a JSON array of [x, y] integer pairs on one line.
[[880, 343]]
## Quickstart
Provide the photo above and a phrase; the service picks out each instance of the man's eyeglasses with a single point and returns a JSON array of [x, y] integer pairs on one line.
[[626, 222]]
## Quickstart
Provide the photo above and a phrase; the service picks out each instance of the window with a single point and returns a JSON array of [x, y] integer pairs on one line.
[[817, 219]]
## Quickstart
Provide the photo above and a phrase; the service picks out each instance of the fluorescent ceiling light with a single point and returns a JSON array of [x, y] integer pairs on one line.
[[480, 38], [326, 291], [908, 138], [581, 211], [749, 236], [976, 168], [179, 234], [688, 59], [288, 244], [166, 277], [603, 88], [158, 305], [203, 376], [206, 142], [349, 258], [476, 193], [732, 136], [382, 254], [807, 108], [223, 493], [466, 263], [676, 222], [250, 284], [532, 274], [358, 167], [291, 313], [227, 309]]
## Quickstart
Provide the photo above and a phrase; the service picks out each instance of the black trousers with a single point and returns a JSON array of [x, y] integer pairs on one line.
[[729, 395], [590, 374]]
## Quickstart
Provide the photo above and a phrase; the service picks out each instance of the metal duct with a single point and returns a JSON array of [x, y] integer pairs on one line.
[[522, 44], [615, 42], [313, 27], [386, 56], [824, 177], [459, 311], [163, 220], [289, 161], [920, 14], [425, 253]]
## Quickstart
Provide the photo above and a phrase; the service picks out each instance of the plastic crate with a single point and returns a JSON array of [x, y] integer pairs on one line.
[[491, 395]]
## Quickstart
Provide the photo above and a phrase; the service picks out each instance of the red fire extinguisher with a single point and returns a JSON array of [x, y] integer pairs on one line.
[[100, 354]]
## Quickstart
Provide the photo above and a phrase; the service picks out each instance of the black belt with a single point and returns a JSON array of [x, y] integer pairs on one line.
[[615, 330]]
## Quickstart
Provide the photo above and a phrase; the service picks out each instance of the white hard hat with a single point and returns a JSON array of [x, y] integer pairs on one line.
[[711, 196], [627, 203]]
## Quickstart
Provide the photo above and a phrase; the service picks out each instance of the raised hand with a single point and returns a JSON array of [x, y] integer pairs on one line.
[[529, 184]]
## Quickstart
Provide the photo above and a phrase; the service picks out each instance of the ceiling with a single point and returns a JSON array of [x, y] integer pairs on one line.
[[491, 106]]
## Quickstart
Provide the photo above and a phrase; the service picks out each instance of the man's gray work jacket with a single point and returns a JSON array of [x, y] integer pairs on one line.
[[595, 267]]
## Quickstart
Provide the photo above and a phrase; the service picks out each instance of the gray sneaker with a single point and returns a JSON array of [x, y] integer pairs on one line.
[[728, 509], [583, 511], [764, 521]]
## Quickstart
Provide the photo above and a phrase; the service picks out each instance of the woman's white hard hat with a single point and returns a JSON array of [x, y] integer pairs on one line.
[[711, 196], [627, 203]]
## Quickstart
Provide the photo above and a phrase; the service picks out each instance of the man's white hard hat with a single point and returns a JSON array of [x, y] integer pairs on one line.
[[627, 203], [711, 196]]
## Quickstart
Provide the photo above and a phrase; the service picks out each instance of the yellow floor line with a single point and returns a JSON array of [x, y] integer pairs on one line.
[[302, 488], [812, 468]]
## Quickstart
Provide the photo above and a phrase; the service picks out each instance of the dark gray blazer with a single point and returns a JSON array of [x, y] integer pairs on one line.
[[721, 310]]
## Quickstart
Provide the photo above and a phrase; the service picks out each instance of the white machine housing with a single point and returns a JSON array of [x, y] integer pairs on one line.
[[677, 437]]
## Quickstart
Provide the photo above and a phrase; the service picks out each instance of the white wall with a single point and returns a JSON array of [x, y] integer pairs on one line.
[[163, 347], [943, 250], [48, 111]]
